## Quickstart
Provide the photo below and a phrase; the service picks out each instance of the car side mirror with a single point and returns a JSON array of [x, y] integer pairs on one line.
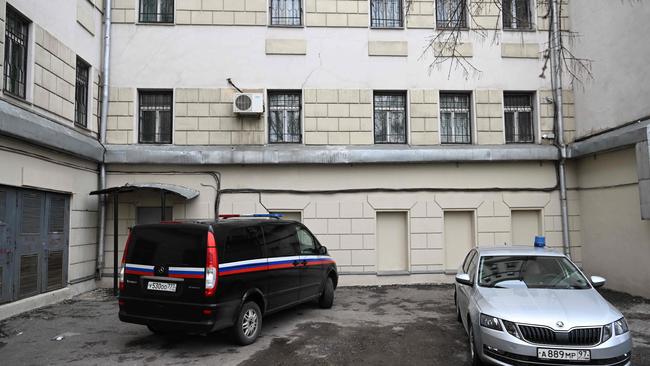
[[464, 279], [322, 250], [597, 281]]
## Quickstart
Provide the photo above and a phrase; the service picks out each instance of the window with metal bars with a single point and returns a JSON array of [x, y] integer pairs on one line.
[[386, 14], [517, 14], [155, 118], [15, 67], [455, 117], [156, 11], [451, 14], [390, 117], [284, 117], [81, 94], [286, 12], [518, 112]]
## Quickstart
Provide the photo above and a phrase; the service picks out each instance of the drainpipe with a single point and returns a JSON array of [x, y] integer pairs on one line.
[[106, 67], [556, 80]]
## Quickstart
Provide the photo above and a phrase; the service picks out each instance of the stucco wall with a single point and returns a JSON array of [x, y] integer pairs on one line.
[[614, 35], [616, 242], [346, 222]]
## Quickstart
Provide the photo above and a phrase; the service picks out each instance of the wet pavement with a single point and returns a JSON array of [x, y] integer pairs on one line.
[[389, 325]]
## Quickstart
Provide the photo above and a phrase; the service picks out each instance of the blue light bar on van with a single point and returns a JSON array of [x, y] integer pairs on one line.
[[272, 215]]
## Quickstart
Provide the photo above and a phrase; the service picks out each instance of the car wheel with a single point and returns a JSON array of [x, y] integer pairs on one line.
[[326, 299], [476, 360], [248, 325], [460, 320]]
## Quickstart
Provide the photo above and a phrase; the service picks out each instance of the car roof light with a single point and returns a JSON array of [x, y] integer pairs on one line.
[[540, 242]]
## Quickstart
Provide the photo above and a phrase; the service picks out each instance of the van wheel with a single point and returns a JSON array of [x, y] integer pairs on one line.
[[326, 299], [248, 325]]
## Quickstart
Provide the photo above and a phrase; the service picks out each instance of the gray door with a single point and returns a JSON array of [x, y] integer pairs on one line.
[[7, 242], [30, 243], [56, 242]]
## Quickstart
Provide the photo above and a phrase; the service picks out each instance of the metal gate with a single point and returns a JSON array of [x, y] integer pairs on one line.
[[33, 242]]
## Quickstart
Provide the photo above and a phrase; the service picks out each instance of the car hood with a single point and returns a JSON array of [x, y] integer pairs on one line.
[[574, 308]]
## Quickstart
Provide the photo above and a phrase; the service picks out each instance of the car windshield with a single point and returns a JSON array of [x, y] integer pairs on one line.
[[530, 272]]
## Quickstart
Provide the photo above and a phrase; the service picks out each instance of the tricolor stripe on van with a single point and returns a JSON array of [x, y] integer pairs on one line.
[[175, 272], [264, 264]]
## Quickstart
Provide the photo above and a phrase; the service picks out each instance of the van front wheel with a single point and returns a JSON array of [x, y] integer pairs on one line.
[[326, 299], [249, 324]]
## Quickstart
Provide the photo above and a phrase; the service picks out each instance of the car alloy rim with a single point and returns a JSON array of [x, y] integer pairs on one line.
[[249, 323]]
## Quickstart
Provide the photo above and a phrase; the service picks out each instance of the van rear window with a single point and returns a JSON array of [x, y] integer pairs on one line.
[[168, 245]]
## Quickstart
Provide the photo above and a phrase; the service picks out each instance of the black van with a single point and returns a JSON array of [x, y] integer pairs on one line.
[[203, 277]]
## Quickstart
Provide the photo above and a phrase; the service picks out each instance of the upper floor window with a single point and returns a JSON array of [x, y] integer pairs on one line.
[[455, 118], [286, 12], [517, 14], [518, 112], [390, 117], [284, 117], [155, 118], [81, 93], [451, 14], [386, 14], [15, 70], [156, 11]]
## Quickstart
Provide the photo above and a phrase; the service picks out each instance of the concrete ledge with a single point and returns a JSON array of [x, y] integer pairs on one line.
[[48, 298], [301, 154], [25, 125], [286, 47], [612, 140], [388, 48]]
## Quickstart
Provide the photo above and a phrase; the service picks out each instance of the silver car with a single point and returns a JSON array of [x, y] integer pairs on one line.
[[533, 306]]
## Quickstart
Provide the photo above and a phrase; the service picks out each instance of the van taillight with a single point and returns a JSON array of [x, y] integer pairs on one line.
[[211, 266], [126, 249]]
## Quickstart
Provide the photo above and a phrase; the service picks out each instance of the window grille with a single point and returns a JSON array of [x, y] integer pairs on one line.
[[156, 11], [451, 14], [15, 67], [518, 112], [284, 117], [390, 117], [516, 14], [286, 12], [455, 119], [155, 126], [386, 14], [81, 94]]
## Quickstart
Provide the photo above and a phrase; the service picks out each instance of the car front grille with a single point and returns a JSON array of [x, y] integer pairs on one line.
[[574, 337]]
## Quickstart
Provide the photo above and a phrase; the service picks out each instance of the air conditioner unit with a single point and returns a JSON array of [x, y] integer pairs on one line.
[[248, 103]]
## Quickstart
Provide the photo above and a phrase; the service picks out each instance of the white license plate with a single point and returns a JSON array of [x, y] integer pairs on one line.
[[161, 286], [564, 354]]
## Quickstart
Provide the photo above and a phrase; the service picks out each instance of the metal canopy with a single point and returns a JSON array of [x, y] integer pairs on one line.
[[185, 192], [163, 188]]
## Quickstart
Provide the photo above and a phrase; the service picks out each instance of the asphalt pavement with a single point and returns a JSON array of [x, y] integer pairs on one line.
[[389, 325]]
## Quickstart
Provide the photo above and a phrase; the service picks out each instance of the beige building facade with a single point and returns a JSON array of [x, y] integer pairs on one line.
[[396, 166]]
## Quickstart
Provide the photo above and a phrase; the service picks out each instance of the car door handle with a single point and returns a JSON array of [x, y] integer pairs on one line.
[[296, 263], [304, 263]]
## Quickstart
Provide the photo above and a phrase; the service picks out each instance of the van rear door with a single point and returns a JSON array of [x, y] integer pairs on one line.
[[166, 262]]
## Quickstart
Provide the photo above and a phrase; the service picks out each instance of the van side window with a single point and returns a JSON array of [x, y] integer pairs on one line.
[[243, 243], [307, 242], [281, 240]]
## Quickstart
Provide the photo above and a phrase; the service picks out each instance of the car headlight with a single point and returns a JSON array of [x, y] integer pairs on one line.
[[511, 328], [607, 332], [620, 326], [489, 321]]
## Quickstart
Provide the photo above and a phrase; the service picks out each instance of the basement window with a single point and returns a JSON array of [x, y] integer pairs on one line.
[[390, 117], [15, 68], [155, 118], [517, 14], [386, 14], [518, 112], [286, 12], [81, 94], [284, 117], [451, 14], [455, 118], [156, 11]]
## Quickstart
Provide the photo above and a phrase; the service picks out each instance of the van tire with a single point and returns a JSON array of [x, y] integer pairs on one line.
[[326, 299], [250, 315]]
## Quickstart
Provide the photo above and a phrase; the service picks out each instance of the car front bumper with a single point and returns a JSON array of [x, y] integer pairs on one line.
[[501, 348]]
